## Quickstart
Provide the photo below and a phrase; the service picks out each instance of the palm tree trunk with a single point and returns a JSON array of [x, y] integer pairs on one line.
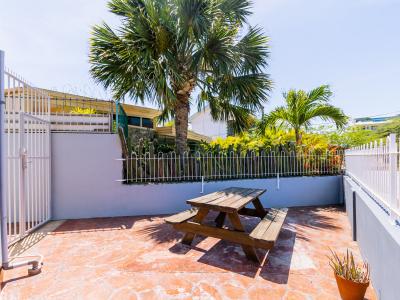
[[181, 122], [298, 136]]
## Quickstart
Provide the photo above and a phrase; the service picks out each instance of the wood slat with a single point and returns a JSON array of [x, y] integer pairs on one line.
[[238, 237], [231, 197], [245, 200], [275, 228], [226, 202], [264, 224], [219, 233], [205, 198], [210, 197], [268, 229], [182, 216]]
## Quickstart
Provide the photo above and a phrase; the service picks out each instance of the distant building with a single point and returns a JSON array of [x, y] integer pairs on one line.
[[70, 112], [372, 123], [202, 123]]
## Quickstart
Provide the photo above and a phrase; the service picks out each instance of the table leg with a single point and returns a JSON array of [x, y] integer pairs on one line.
[[259, 208], [220, 219], [198, 218], [248, 250]]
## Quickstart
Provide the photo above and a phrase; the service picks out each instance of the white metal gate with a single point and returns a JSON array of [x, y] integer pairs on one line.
[[27, 148]]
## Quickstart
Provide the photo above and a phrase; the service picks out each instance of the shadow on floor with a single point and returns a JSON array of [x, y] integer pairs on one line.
[[277, 266], [32, 239], [97, 224], [316, 218], [4, 283], [230, 257]]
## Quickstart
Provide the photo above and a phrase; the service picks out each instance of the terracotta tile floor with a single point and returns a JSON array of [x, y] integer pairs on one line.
[[141, 258]]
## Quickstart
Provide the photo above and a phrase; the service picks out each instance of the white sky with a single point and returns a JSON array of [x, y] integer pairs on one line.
[[353, 45]]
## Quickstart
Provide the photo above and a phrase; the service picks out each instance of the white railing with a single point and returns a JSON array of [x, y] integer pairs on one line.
[[81, 114], [375, 167], [81, 123], [170, 167]]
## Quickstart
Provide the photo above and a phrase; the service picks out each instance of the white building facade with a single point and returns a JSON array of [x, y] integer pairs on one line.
[[203, 123]]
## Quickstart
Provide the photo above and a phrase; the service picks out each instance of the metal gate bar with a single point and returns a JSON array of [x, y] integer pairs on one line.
[[27, 137]]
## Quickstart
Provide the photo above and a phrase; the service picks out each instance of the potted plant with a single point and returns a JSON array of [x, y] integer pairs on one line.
[[352, 279]]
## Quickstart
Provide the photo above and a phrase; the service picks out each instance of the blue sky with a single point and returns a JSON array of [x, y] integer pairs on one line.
[[353, 45]]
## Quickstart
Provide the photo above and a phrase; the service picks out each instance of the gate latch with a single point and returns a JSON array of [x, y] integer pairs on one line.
[[24, 158]]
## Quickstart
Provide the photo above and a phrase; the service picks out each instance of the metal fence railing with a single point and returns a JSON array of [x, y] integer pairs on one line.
[[375, 167], [27, 161], [170, 167]]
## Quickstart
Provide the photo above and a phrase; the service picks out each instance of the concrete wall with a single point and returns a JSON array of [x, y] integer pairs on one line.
[[84, 174], [378, 239]]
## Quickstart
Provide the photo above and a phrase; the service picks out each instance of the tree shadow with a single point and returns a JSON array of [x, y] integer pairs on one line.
[[230, 257], [164, 233], [314, 218]]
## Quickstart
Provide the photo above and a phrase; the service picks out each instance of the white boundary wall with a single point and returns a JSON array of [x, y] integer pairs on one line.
[[378, 238], [84, 184]]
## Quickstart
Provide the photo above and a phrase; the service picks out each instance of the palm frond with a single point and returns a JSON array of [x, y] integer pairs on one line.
[[166, 48], [253, 51], [302, 108], [236, 11], [328, 112]]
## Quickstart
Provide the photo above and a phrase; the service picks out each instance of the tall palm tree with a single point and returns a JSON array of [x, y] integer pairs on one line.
[[301, 108], [167, 51]]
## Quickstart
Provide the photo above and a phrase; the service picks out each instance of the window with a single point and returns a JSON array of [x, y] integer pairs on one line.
[[146, 122], [135, 121], [140, 122], [230, 128]]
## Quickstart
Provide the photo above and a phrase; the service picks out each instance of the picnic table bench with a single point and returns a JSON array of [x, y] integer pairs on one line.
[[231, 203]]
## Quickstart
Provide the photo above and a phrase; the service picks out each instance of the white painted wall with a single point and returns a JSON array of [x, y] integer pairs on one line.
[[203, 123], [84, 184], [378, 239]]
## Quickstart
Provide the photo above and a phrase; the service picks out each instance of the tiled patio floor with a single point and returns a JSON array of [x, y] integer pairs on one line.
[[140, 258]]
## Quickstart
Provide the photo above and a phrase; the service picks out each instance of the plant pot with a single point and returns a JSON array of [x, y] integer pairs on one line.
[[350, 290]]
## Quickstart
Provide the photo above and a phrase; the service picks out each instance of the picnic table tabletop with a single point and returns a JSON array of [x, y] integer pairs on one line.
[[228, 200]]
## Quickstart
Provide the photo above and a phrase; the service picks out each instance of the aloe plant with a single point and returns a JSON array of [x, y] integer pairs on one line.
[[347, 268]]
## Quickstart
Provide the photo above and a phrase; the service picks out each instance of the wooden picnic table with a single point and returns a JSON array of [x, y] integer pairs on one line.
[[231, 203]]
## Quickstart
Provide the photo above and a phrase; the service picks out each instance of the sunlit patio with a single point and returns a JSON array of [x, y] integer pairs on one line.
[[142, 258]]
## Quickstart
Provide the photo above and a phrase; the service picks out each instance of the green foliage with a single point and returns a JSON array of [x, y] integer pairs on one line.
[[164, 49], [347, 268], [272, 139], [355, 136], [352, 137], [301, 108], [392, 127], [83, 111]]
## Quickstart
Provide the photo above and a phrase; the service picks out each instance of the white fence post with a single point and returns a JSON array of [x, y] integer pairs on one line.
[[393, 163], [3, 207]]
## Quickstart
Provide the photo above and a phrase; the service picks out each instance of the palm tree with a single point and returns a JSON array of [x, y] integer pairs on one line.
[[301, 108], [167, 51]]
